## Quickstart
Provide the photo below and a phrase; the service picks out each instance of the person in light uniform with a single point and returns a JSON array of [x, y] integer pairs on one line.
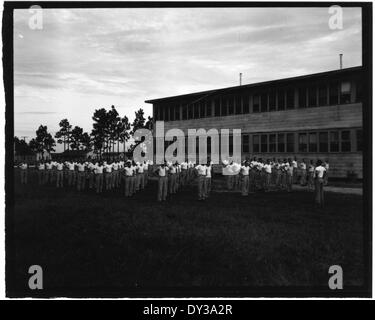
[[201, 170], [81, 176], [128, 176], [99, 169], [208, 178], [23, 172], [41, 172], [59, 175], [319, 176], [71, 167], [245, 172], [162, 172]]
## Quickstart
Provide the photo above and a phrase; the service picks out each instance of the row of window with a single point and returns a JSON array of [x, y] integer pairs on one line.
[[289, 142], [333, 93], [321, 141]]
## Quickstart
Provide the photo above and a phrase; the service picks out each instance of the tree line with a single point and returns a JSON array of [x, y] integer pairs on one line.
[[109, 131]]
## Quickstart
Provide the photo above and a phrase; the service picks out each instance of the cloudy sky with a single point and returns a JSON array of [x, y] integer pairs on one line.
[[84, 59]]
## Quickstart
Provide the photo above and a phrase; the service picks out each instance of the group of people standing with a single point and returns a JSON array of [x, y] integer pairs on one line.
[[247, 177]]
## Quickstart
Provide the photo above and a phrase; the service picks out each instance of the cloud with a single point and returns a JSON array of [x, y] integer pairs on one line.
[[84, 59]]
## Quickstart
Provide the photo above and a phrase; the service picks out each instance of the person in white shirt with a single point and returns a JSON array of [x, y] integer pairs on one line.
[[108, 175], [115, 175], [41, 170], [162, 172], [294, 164], [59, 175], [48, 172], [172, 179], [201, 170], [81, 176], [303, 172], [128, 176], [289, 176], [319, 176], [184, 170], [267, 168], [140, 176], [23, 166], [71, 167], [208, 178], [245, 172], [99, 168]]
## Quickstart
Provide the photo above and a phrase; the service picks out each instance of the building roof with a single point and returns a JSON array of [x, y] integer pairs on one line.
[[259, 84]]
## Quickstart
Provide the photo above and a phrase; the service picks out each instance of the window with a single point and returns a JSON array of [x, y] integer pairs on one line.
[[281, 100], [230, 144], [166, 114], [322, 91], [312, 96], [196, 110], [323, 141], [290, 98], [302, 142], [256, 103], [302, 97], [224, 107], [246, 143], [313, 143], [334, 141], [290, 142], [209, 109], [345, 141], [256, 143], [246, 106], [263, 143], [191, 111], [345, 95], [264, 102], [217, 107], [359, 134], [184, 112], [238, 105], [230, 105], [281, 142], [272, 141], [177, 112], [272, 101], [202, 109], [333, 94]]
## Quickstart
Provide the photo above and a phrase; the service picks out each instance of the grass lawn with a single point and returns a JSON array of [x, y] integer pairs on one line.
[[84, 240]]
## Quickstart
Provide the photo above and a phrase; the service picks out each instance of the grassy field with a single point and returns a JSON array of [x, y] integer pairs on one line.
[[83, 240]]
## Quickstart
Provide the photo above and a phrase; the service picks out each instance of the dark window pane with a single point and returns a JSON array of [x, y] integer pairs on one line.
[[312, 97], [272, 101], [333, 94], [191, 111], [264, 102], [166, 114], [281, 142], [334, 141], [245, 143], [322, 96], [196, 110], [230, 145], [230, 105], [323, 142], [171, 113], [313, 143], [209, 108], [246, 107], [256, 143], [345, 141], [263, 143], [272, 143], [290, 142], [177, 112], [302, 97], [184, 112], [256, 103], [238, 105], [281, 100], [302, 142], [217, 107], [290, 98], [202, 109], [345, 92], [224, 106]]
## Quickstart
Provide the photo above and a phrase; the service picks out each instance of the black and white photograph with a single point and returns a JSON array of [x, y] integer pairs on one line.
[[188, 149]]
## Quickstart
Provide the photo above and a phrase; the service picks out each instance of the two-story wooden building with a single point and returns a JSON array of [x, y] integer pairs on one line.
[[316, 116]]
